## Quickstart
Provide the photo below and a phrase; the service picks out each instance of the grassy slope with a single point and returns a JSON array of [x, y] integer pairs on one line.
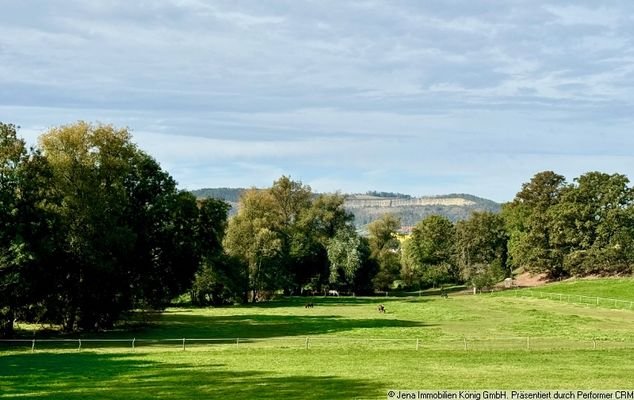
[[615, 288], [343, 369]]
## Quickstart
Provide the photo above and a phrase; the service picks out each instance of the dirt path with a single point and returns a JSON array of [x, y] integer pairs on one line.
[[528, 280]]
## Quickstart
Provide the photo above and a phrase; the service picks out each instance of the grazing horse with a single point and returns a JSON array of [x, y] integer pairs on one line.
[[381, 308], [333, 292]]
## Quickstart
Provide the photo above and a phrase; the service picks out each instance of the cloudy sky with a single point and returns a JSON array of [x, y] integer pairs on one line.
[[423, 97]]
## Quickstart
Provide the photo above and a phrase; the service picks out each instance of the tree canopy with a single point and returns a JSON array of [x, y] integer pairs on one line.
[[94, 228]]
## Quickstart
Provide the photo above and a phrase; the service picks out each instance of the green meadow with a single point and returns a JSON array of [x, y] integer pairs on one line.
[[343, 348], [615, 288]]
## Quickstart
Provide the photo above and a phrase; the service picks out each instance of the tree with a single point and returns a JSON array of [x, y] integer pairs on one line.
[[384, 247], [13, 252], [481, 249], [344, 256], [282, 233], [219, 278], [27, 232], [431, 251], [125, 236], [251, 239], [313, 235], [411, 268], [593, 223], [529, 224]]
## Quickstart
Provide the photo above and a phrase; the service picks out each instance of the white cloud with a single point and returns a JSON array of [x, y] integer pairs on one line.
[[408, 96], [578, 15]]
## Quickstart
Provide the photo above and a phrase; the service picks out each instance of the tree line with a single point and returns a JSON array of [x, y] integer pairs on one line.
[[91, 227]]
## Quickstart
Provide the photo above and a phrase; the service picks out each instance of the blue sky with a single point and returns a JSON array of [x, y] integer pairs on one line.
[[420, 97]]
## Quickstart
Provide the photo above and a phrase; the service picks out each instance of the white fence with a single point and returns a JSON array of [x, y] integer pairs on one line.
[[576, 299], [526, 343]]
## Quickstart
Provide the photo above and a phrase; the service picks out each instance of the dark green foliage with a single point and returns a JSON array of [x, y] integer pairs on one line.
[[92, 227], [384, 248], [428, 253], [481, 249], [529, 224], [573, 229], [594, 224], [14, 251], [220, 279], [388, 194]]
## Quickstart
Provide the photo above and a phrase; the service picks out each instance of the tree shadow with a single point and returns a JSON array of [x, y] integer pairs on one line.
[[187, 323], [266, 325], [117, 376], [299, 301]]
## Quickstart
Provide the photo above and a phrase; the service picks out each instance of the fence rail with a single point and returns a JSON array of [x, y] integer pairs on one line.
[[605, 302], [527, 343]]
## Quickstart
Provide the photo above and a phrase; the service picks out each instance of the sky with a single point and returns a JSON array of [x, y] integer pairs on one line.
[[423, 97]]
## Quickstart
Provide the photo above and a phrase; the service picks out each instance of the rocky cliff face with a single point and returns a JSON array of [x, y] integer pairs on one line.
[[412, 210], [421, 201], [367, 208]]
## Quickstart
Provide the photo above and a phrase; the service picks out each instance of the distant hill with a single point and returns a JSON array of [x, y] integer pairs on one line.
[[372, 205], [456, 207], [230, 195]]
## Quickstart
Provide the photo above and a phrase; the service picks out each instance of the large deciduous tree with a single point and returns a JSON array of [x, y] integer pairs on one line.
[[529, 224], [430, 251], [106, 229], [345, 257], [14, 251], [282, 235], [481, 249], [252, 238], [594, 224], [220, 278], [314, 235], [384, 247]]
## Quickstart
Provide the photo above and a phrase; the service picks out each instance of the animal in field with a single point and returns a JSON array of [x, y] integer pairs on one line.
[[309, 305], [333, 292], [444, 295], [381, 308]]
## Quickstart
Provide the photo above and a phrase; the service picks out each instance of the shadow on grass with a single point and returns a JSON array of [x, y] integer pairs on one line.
[[322, 301], [104, 376], [187, 323], [265, 325]]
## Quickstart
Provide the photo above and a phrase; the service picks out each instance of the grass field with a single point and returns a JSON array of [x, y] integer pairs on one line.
[[340, 363], [614, 288]]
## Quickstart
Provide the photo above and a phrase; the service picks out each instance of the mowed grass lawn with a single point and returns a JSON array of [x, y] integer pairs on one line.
[[340, 363]]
